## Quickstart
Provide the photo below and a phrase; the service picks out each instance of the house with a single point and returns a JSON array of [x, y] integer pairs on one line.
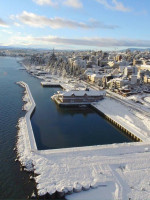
[[95, 78], [117, 83], [79, 97], [146, 79]]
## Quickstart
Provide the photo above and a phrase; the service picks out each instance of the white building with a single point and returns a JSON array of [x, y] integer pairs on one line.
[[95, 77], [128, 70], [145, 67]]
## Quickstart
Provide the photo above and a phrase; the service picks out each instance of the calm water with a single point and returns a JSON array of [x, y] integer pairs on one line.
[[53, 127]]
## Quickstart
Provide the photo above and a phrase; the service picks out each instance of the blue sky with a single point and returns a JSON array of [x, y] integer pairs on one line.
[[75, 24]]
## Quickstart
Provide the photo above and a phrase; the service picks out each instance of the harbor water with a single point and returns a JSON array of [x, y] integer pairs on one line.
[[53, 127]]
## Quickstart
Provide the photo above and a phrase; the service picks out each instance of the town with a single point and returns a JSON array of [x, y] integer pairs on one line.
[[125, 72], [116, 85]]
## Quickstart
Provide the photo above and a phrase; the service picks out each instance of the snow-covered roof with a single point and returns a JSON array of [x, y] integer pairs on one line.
[[83, 92], [146, 66], [97, 75]]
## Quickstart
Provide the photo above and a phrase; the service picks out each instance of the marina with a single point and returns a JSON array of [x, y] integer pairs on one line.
[[11, 106], [32, 153], [67, 182], [74, 100]]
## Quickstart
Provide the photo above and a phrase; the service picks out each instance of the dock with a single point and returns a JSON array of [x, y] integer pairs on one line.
[[118, 125], [50, 84], [132, 122], [29, 134], [100, 166]]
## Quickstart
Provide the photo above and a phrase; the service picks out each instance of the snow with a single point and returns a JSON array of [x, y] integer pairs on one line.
[[76, 169], [28, 103], [30, 99], [49, 83], [108, 172], [23, 146], [134, 121], [83, 92], [104, 192], [136, 102], [147, 99]]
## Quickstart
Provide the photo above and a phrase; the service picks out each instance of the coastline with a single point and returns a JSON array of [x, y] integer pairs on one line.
[[49, 166], [130, 131], [61, 172], [29, 107]]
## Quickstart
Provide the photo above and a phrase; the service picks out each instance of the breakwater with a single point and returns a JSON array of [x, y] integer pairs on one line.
[[28, 115]]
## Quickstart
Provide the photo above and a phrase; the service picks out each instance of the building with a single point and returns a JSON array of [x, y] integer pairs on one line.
[[133, 79], [128, 70], [137, 62], [146, 79], [145, 67], [118, 58], [79, 97], [95, 78], [117, 83], [113, 64]]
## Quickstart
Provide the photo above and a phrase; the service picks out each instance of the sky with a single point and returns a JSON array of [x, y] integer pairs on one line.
[[75, 24]]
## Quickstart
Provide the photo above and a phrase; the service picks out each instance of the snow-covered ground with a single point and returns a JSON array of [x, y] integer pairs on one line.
[[147, 99], [27, 101], [136, 101], [66, 83], [30, 102], [134, 121], [118, 171], [142, 100], [108, 172]]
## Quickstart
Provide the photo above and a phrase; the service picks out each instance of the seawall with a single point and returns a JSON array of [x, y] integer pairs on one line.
[[33, 146], [118, 125]]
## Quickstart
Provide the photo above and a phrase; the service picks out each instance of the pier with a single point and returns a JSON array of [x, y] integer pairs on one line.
[[130, 121], [86, 166], [63, 86], [30, 134], [50, 84], [118, 125]]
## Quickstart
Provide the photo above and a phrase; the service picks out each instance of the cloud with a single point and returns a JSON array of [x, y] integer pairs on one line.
[[73, 3], [34, 20], [47, 41], [18, 40], [114, 5], [46, 2], [70, 3], [3, 24], [96, 42], [6, 31]]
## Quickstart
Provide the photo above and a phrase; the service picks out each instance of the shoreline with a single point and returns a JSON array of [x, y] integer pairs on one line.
[[59, 172], [132, 134], [30, 109]]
